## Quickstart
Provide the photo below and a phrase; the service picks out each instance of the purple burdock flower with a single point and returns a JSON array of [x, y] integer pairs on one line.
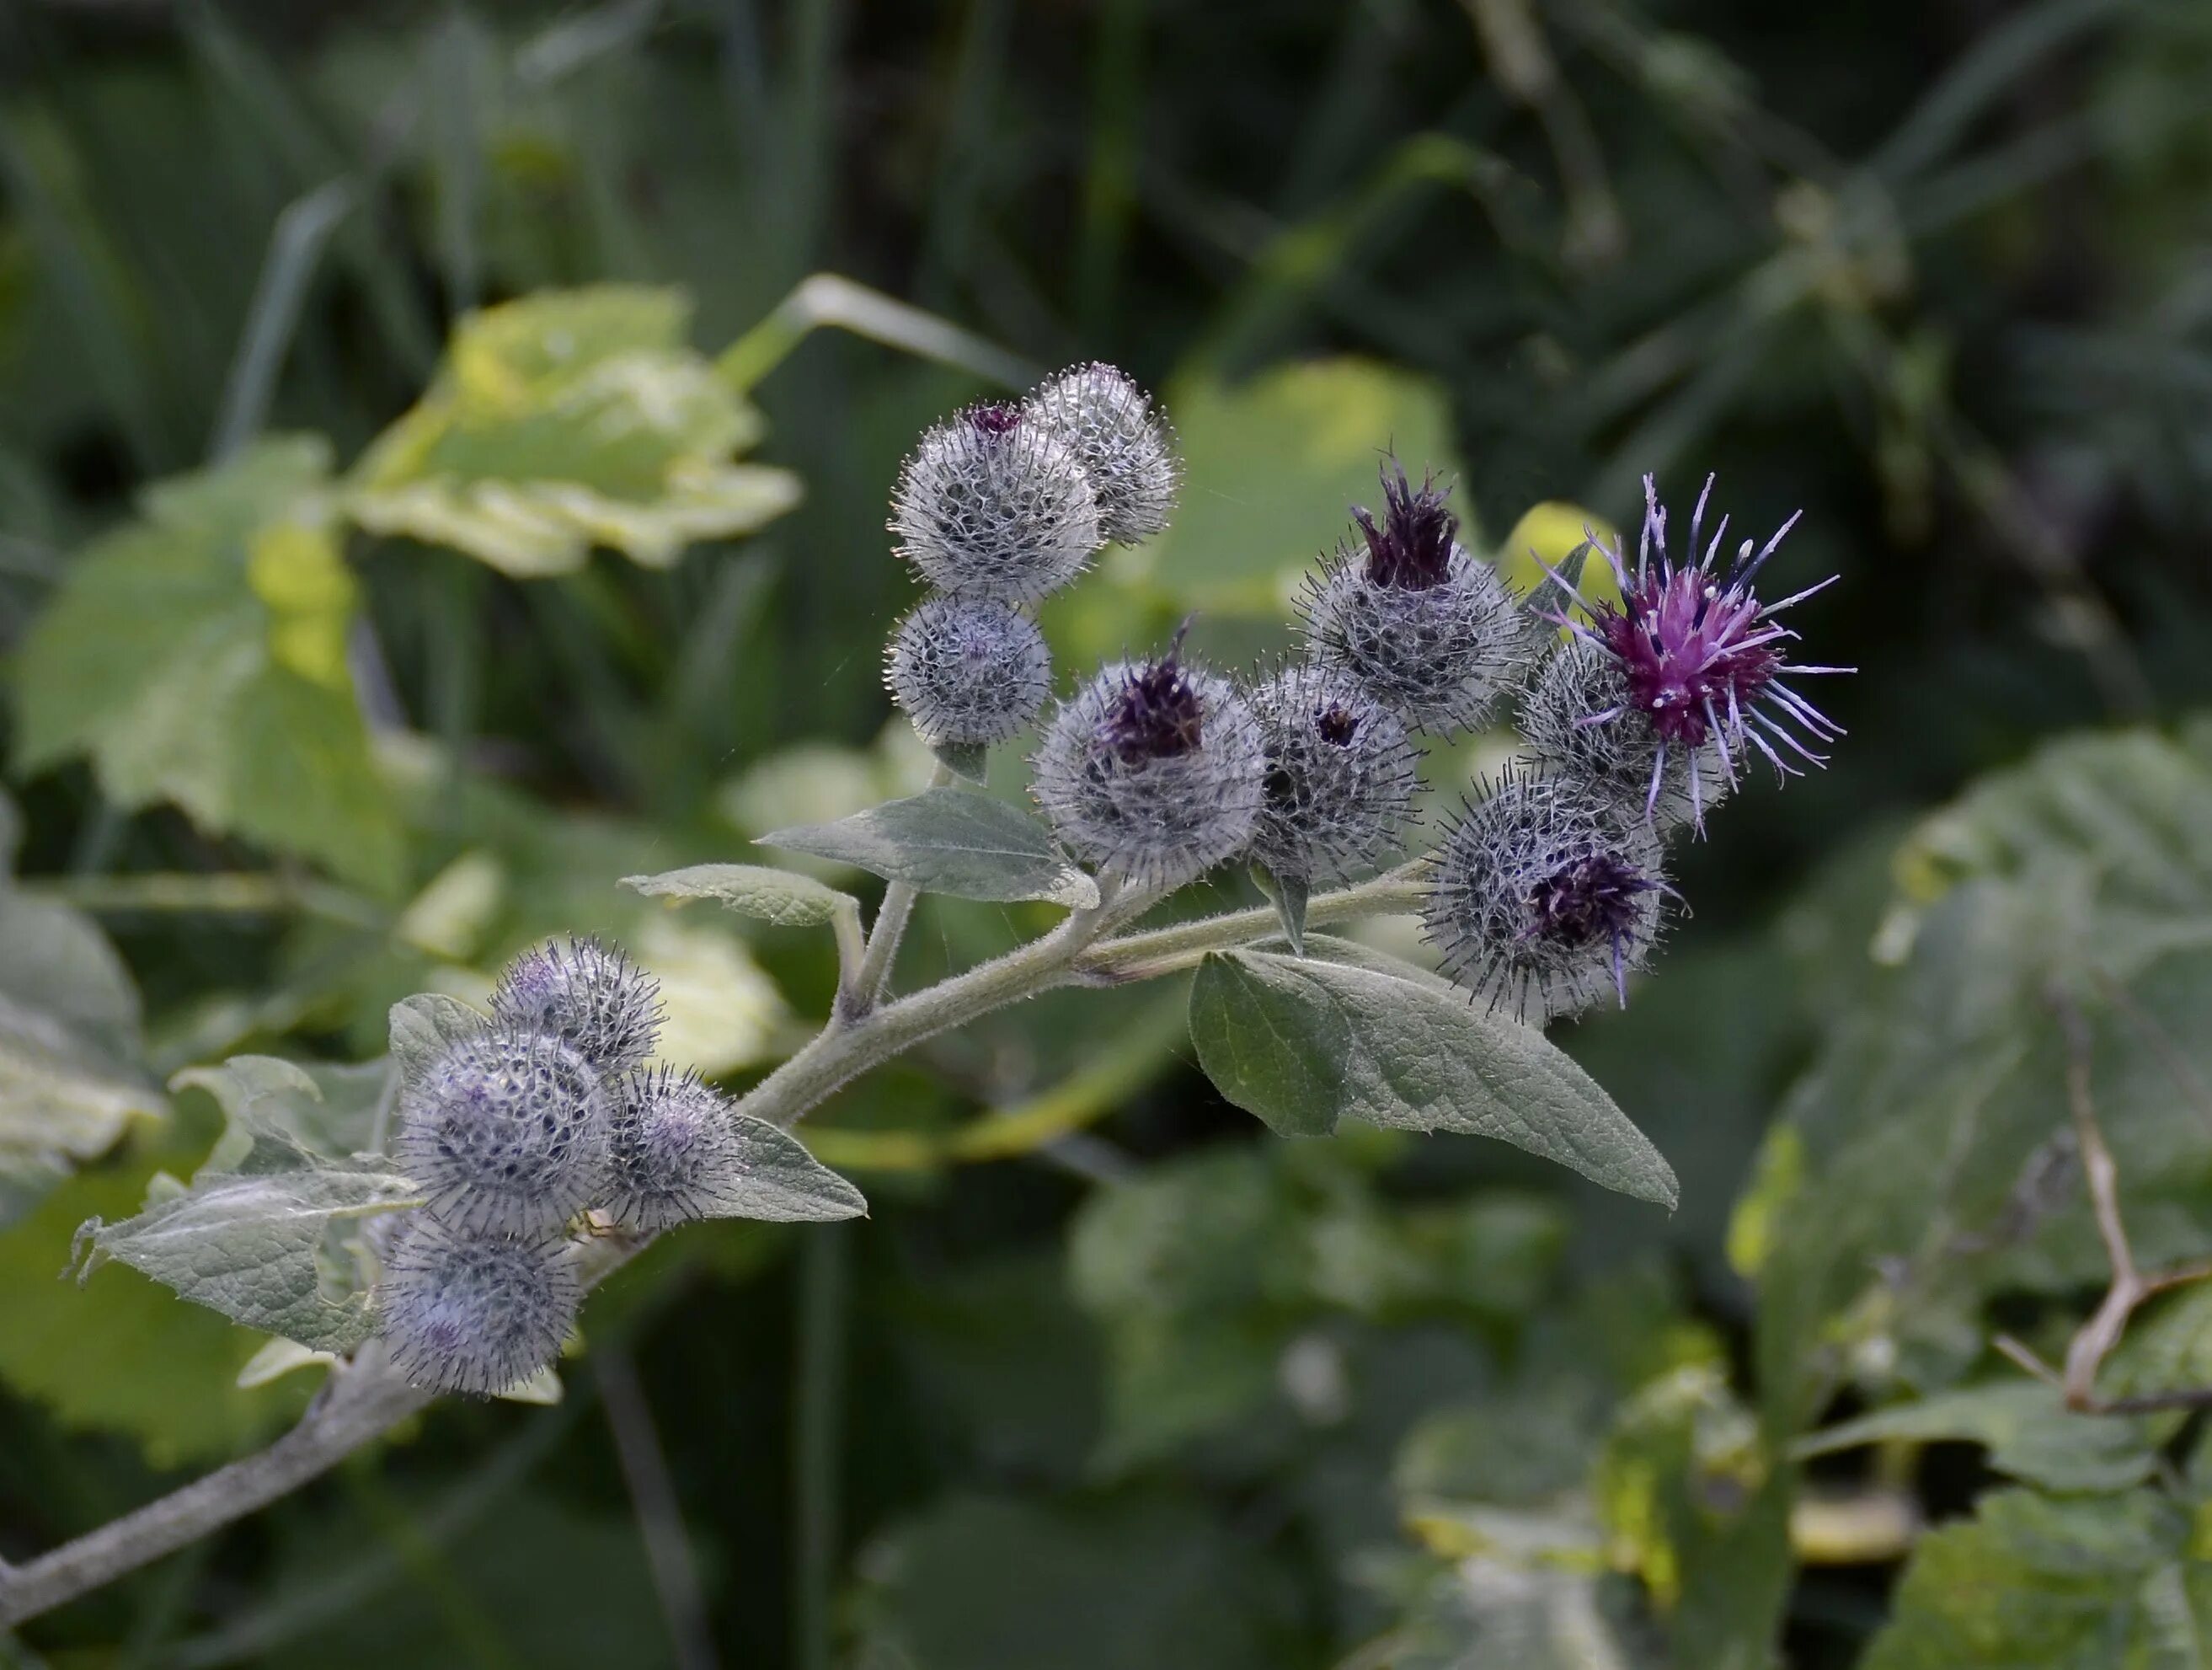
[[1700, 657], [1590, 900], [995, 417], [1158, 713], [1410, 550]]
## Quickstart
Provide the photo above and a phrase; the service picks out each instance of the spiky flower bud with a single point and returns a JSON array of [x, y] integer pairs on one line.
[[1340, 775], [1154, 770], [994, 505], [1541, 901], [674, 1150], [1701, 660], [1576, 722], [968, 670], [589, 996], [1126, 448], [505, 1132], [1432, 632], [462, 1311]]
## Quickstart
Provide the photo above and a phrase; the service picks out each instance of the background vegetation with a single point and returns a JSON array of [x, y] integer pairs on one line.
[[1109, 1378]]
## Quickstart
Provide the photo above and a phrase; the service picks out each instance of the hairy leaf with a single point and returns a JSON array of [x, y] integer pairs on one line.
[[772, 1179], [780, 897], [950, 841], [1303, 1042], [284, 1115], [2029, 1431], [423, 1026]]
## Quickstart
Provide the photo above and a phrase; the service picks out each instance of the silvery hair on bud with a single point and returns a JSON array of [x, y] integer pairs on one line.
[[993, 503], [1542, 900], [1152, 769], [1432, 631], [968, 670], [506, 1131], [675, 1152], [1126, 446], [1578, 722], [1340, 775], [462, 1311], [589, 996]]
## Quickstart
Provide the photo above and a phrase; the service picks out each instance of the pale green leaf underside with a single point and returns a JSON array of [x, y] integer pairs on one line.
[[2029, 1432], [950, 841], [423, 1026], [772, 1179], [773, 896], [1303, 1043]]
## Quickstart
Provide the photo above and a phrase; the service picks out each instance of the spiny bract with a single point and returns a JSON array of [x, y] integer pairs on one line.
[[1126, 447], [969, 670], [1576, 722], [589, 996], [1152, 769], [506, 1131], [1431, 630], [1539, 901], [674, 1150], [994, 505], [463, 1311], [1340, 775]]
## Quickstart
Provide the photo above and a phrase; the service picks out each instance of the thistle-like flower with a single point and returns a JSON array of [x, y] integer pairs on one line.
[[589, 996], [993, 503], [1126, 447], [1154, 770], [1340, 775], [1541, 901], [463, 1311], [1576, 722], [1700, 657], [968, 670], [505, 1132], [674, 1151], [1431, 631]]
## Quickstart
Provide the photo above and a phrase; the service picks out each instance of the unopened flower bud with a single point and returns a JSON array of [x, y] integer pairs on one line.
[[673, 1152], [1340, 775], [969, 670], [1432, 632], [1541, 901], [994, 505], [505, 1132], [1154, 770], [589, 996], [1126, 447], [463, 1311]]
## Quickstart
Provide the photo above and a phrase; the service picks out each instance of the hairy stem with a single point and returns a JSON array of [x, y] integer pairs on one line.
[[891, 918], [366, 1398]]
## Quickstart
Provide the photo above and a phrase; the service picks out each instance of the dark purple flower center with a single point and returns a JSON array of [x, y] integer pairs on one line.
[[1157, 715], [1586, 900], [1337, 726], [1693, 650], [1411, 549], [995, 418]]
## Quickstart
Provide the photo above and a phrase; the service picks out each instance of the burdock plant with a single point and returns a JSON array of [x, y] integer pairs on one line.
[[518, 1156]]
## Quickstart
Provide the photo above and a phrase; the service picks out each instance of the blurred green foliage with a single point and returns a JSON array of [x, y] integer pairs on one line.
[[404, 412]]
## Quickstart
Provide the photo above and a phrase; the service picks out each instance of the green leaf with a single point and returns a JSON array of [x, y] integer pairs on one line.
[[286, 1114], [2090, 1583], [565, 420], [971, 760], [423, 1026], [1303, 1042], [950, 841], [772, 1179], [261, 1249], [198, 657], [2030, 1434], [779, 897], [1288, 893], [68, 1027]]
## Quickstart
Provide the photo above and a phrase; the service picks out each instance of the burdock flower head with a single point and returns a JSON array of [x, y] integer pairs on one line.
[[1700, 659], [1340, 775], [968, 671], [994, 504], [1153, 769], [1541, 902], [1431, 630]]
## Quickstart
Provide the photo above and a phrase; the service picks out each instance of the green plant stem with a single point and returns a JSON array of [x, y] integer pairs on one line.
[[366, 1398], [891, 919]]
